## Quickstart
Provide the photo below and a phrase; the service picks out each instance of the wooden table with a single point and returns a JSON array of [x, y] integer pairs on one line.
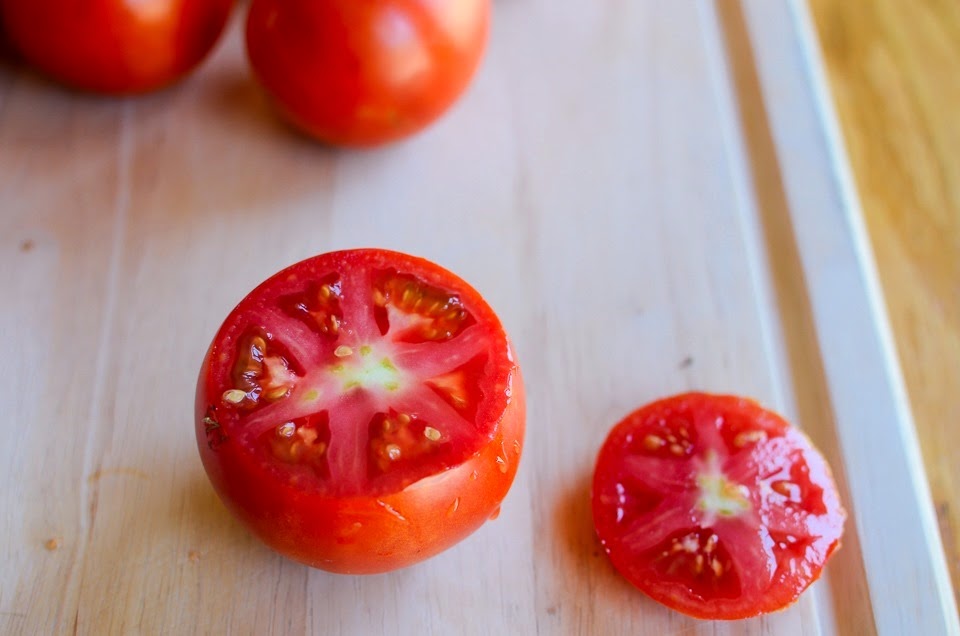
[[648, 195], [894, 70]]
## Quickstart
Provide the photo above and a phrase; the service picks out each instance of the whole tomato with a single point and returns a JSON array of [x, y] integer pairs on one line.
[[365, 72], [114, 46], [361, 411]]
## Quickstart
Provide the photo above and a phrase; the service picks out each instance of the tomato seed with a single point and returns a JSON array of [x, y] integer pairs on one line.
[[403, 418], [286, 429], [234, 396], [277, 393], [431, 434], [343, 351], [717, 567], [711, 543], [749, 437], [393, 452], [653, 442], [788, 489]]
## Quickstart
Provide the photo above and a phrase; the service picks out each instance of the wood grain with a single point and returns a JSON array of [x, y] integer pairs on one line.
[[894, 70]]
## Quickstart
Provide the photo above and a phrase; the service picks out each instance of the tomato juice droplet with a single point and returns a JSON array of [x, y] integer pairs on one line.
[[348, 387]]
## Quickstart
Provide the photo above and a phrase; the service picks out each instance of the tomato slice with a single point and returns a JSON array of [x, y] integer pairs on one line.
[[715, 506], [361, 387]]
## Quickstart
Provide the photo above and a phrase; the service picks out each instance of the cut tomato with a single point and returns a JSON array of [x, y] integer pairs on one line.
[[361, 411], [715, 506]]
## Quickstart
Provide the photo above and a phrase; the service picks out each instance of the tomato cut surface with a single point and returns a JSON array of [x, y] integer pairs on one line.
[[715, 506], [361, 410]]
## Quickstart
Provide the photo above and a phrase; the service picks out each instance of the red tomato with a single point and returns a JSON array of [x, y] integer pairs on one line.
[[361, 411], [714, 506], [115, 46], [365, 72]]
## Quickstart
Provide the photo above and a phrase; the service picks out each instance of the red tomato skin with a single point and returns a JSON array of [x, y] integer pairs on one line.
[[317, 530], [322, 531], [115, 46], [365, 72]]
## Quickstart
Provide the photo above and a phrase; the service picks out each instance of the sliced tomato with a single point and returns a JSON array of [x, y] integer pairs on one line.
[[714, 506], [361, 411]]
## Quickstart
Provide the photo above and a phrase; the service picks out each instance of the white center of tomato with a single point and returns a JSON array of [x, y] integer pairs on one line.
[[720, 496], [365, 368]]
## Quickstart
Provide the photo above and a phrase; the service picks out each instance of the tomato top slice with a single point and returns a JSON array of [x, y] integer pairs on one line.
[[715, 506], [359, 373]]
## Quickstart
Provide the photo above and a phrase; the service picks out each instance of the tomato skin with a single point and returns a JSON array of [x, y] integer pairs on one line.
[[366, 533], [115, 46], [365, 72], [778, 520], [319, 530]]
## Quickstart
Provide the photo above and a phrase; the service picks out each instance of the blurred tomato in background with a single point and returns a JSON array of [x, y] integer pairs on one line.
[[114, 46], [365, 72]]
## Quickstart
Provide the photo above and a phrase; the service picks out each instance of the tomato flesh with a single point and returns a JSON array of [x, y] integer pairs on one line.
[[715, 506], [361, 387], [115, 46]]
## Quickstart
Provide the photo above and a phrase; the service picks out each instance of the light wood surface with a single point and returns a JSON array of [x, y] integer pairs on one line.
[[644, 196], [894, 71]]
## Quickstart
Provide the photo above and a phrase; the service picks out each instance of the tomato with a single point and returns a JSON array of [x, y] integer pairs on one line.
[[715, 506], [365, 72], [361, 411], [115, 46]]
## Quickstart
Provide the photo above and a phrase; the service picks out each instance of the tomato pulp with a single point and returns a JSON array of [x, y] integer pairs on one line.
[[715, 506], [361, 411], [115, 46], [365, 72]]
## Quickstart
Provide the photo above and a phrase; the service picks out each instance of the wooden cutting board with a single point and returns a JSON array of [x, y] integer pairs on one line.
[[649, 193]]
